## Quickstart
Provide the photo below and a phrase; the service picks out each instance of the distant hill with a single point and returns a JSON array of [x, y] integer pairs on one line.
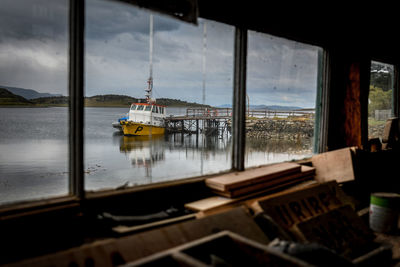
[[8, 98], [178, 103], [52, 101], [28, 93], [93, 101], [109, 100]]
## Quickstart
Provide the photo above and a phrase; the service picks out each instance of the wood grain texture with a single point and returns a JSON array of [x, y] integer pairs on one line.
[[334, 165], [239, 179]]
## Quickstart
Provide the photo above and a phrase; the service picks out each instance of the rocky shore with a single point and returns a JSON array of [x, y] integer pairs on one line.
[[288, 135], [281, 129]]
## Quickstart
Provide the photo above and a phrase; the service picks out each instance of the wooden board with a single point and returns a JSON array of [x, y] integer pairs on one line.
[[284, 181], [216, 202], [290, 208], [265, 187], [391, 132], [339, 229], [239, 179], [334, 165]]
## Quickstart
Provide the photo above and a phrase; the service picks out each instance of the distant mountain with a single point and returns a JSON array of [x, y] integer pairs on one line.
[[178, 103], [107, 101], [28, 93], [8, 98], [262, 107]]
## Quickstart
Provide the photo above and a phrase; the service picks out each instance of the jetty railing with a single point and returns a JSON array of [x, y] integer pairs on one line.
[[264, 113]]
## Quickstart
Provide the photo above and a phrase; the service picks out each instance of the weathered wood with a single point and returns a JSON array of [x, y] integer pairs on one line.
[[391, 133], [290, 208], [284, 181], [239, 179], [339, 229], [334, 165], [226, 248]]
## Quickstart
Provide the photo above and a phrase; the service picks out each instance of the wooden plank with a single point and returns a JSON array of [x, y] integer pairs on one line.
[[215, 202], [209, 203], [239, 179], [305, 174], [122, 229], [391, 133], [334, 165], [265, 187], [339, 229], [293, 207]]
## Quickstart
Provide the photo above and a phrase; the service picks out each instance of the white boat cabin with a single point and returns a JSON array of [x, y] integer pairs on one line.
[[151, 114]]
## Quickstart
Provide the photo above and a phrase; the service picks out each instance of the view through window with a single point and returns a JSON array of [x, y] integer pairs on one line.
[[191, 71], [33, 99], [281, 97], [380, 98]]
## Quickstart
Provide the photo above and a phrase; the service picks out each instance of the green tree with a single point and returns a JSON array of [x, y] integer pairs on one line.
[[379, 99]]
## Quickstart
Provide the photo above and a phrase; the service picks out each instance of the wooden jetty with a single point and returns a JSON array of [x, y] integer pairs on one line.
[[217, 121]]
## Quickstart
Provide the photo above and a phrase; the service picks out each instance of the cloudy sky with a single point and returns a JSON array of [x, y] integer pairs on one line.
[[34, 54]]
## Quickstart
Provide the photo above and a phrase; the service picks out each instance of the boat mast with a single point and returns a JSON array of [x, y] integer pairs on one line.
[[204, 61], [149, 88]]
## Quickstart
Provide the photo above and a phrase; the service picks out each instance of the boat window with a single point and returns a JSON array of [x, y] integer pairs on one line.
[[133, 107], [281, 86], [140, 107], [155, 109], [34, 81], [148, 108], [380, 99]]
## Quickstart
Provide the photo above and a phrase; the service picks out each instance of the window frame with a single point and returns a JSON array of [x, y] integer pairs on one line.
[[77, 193]]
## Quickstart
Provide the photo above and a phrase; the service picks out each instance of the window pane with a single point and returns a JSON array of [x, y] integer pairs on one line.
[[380, 98], [190, 64], [281, 96], [33, 99]]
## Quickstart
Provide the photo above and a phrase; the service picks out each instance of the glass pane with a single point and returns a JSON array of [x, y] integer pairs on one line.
[[33, 99], [191, 66], [281, 96], [380, 98]]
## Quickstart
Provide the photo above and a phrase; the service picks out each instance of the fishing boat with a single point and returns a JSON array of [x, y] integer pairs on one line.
[[146, 118]]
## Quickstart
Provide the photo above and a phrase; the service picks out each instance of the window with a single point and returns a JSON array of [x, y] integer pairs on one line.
[[192, 72], [280, 101], [34, 82], [380, 99], [191, 67]]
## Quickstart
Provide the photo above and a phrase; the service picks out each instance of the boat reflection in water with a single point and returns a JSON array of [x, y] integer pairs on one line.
[[159, 155], [143, 151]]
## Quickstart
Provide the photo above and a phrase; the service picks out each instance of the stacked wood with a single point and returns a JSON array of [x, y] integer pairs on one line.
[[262, 179], [321, 213]]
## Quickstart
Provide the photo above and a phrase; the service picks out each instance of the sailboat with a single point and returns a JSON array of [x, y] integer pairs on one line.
[[146, 118]]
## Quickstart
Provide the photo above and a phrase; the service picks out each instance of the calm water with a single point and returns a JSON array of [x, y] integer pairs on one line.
[[34, 153]]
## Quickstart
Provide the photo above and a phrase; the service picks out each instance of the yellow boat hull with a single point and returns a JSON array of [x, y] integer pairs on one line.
[[139, 129]]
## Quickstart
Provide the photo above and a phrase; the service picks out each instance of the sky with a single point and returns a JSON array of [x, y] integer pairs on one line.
[[34, 55]]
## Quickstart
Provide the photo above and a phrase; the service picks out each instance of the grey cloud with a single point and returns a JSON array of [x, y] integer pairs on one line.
[[106, 19], [39, 19]]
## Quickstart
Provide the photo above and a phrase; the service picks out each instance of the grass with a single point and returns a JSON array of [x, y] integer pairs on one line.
[[373, 122]]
